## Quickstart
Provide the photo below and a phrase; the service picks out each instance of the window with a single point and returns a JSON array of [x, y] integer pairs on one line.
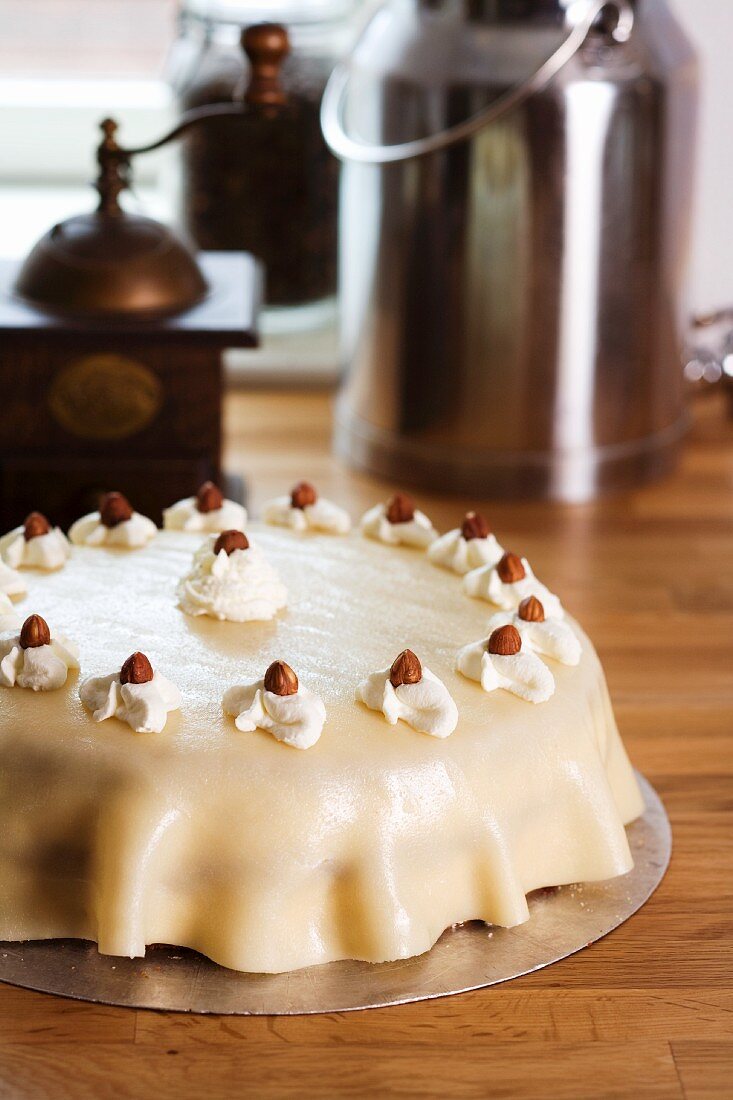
[[65, 65], [47, 39]]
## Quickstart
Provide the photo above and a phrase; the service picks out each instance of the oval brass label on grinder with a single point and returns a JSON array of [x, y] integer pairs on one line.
[[105, 397]]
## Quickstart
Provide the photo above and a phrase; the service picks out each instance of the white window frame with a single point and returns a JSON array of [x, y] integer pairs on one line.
[[49, 128]]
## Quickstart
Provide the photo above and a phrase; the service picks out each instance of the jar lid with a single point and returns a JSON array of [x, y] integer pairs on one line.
[[277, 11]]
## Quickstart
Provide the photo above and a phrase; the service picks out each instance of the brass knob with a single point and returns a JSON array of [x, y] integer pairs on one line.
[[266, 45]]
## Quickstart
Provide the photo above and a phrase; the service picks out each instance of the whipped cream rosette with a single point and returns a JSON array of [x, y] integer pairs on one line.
[[115, 524], [207, 512], [231, 579], [549, 637], [33, 659], [136, 695], [305, 510], [470, 546], [11, 582], [398, 523], [412, 693], [9, 618], [501, 661], [35, 545], [280, 705], [509, 582]]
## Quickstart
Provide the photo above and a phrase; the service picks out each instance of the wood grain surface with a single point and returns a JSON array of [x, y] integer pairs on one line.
[[647, 1012]]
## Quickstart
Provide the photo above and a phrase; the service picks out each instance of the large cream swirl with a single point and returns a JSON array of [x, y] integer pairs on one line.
[[239, 587]]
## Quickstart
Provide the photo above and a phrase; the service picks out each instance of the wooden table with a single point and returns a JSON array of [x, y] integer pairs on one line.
[[647, 1012]]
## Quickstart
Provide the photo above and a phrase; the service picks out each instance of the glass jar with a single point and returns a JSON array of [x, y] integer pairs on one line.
[[268, 186]]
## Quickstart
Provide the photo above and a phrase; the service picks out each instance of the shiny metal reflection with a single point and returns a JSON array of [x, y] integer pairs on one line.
[[513, 295]]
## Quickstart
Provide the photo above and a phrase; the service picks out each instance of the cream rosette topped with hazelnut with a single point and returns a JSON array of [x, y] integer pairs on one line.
[[470, 546], [501, 661], [208, 512], [549, 637], [509, 582], [11, 582], [280, 705], [33, 659], [305, 510], [412, 693], [398, 523], [9, 618], [231, 579], [136, 695], [115, 524], [35, 545]]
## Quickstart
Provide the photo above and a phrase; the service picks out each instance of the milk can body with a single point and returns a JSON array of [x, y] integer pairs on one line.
[[513, 304]]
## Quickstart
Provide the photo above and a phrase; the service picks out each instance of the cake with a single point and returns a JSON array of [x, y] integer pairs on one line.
[[215, 835]]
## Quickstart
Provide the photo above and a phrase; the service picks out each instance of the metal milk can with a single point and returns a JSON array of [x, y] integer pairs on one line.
[[515, 203]]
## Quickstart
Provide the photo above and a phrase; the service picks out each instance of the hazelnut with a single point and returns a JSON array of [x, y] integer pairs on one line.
[[531, 610], [505, 641], [114, 509], [35, 524], [137, 669], [400, 508], [511, 569], [406, 669], [34, 633], [474, 526], [229, 541], [303, 495], [209, 498], [280, 679]]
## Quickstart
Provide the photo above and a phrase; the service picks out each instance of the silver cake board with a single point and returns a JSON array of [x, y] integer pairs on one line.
[[465, 958]]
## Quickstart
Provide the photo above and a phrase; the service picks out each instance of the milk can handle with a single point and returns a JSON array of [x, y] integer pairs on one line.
[[348, 148]]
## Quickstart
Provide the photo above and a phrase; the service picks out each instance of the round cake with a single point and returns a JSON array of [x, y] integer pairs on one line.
[[266, 858]]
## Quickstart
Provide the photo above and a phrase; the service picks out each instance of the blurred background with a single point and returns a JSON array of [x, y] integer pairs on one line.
[[459, 292], [66, 63]]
